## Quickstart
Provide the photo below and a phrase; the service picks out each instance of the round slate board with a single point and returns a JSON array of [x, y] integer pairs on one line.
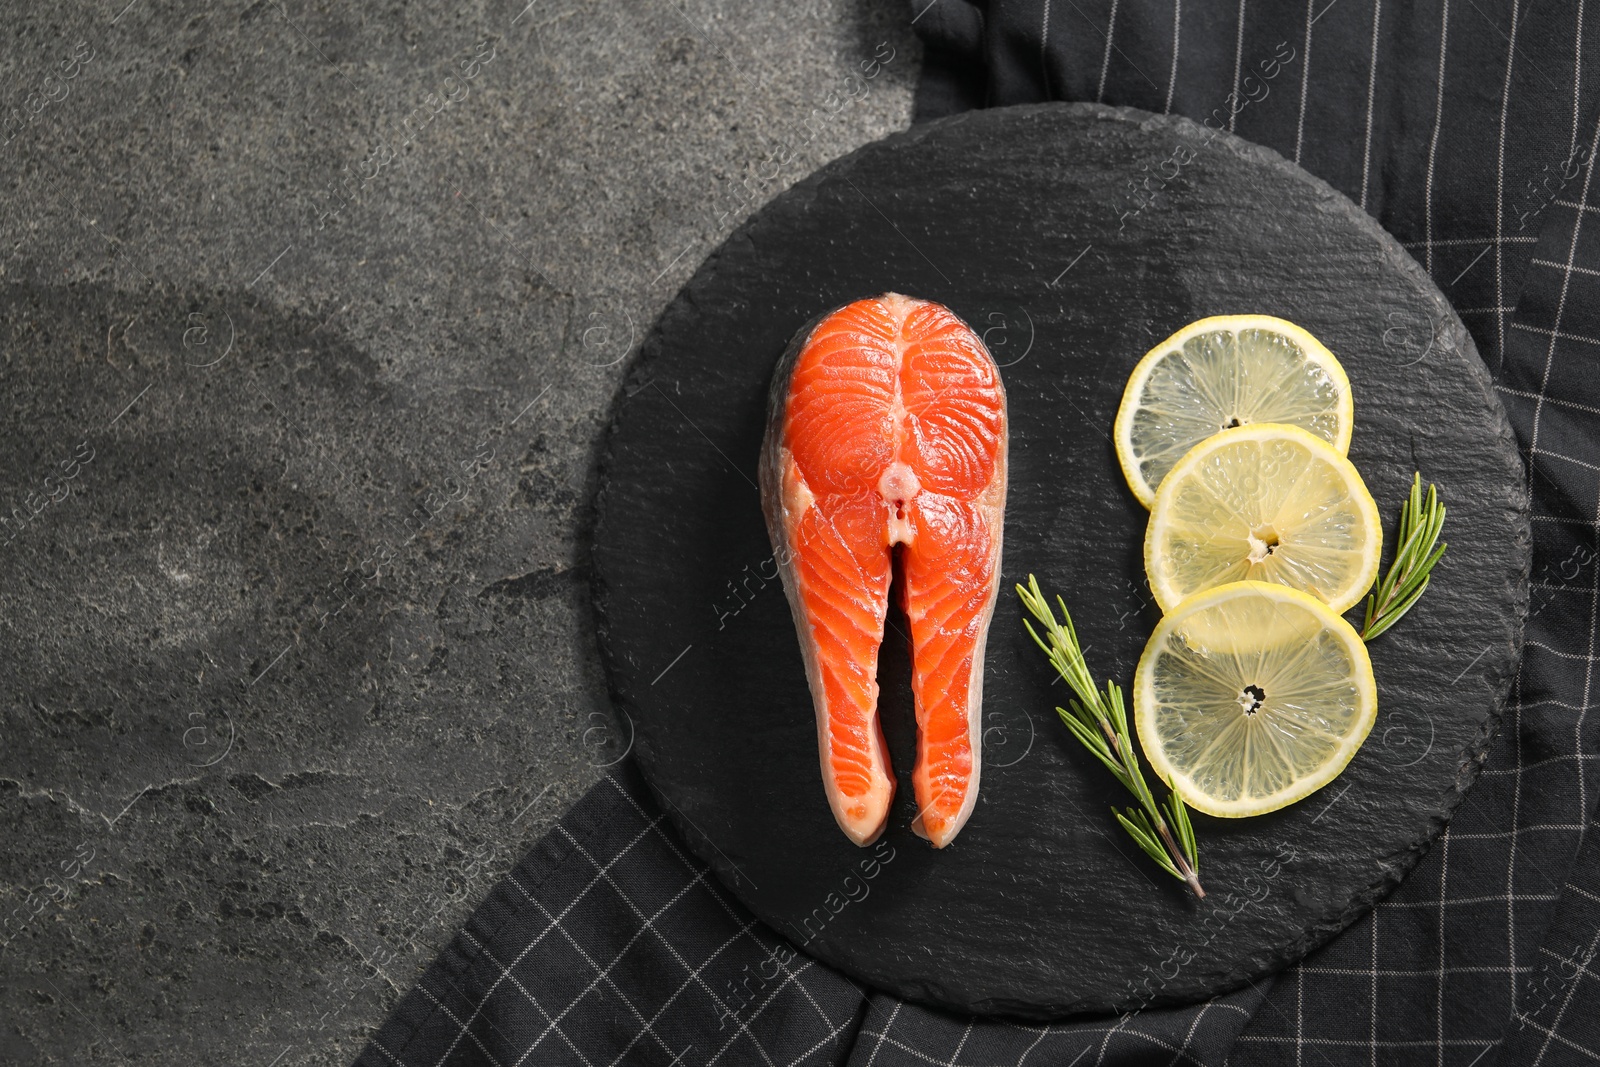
[[1024, 222]]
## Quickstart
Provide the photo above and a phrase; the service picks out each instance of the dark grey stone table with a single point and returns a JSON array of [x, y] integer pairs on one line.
[[309, 322]]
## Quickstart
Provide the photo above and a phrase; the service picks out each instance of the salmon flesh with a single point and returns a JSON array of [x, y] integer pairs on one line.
[[886, 435]]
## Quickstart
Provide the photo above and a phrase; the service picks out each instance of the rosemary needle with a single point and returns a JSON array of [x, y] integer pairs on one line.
[[1421, 521]]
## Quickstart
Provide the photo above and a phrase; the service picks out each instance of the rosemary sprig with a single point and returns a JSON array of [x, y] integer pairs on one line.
[[1099, 720], [1421, 520]]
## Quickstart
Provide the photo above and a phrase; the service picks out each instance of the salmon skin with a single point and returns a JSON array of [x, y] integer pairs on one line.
[[886, 435]]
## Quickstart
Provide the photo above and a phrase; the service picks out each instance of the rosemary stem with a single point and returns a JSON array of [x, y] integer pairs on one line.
[[1111, 738], [1113, 745], [1179, 858]]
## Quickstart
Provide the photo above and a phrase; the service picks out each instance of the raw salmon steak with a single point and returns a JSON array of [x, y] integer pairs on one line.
[[886, 435]]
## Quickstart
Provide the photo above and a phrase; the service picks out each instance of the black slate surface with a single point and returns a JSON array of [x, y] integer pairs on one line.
[[1073, 237]]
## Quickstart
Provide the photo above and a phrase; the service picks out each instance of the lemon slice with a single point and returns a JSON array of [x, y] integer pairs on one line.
[[1228, 370], [1252, 696], [1263, 503]]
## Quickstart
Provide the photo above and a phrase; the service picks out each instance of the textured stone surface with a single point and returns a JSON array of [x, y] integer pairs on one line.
[[270, 731], [1022, 222]]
